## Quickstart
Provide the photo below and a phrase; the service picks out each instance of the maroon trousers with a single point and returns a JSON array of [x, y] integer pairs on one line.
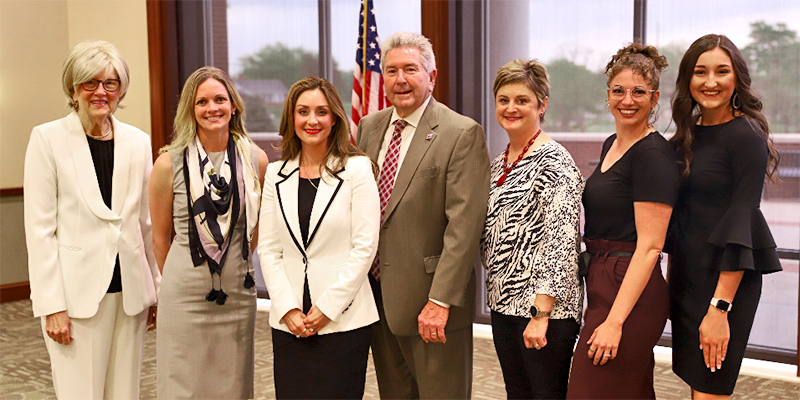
[[630, 374]]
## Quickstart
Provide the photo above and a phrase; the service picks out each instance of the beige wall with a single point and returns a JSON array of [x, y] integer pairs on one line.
[[35, 37]]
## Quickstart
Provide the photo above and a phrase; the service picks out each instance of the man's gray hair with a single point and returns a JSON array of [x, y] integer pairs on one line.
[[411, 40]]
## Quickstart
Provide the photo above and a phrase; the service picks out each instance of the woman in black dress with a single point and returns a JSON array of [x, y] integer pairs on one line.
[[722, 244], [628, 202]]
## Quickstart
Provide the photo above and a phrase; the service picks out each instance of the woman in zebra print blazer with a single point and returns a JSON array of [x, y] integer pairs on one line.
[[530, 242]]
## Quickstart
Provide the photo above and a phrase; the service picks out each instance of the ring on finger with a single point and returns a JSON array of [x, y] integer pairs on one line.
[[592, 350], [536, 345], [607, 355], [311, 329]]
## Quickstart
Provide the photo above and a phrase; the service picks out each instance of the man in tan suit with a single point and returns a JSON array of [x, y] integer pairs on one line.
[[435, 186]]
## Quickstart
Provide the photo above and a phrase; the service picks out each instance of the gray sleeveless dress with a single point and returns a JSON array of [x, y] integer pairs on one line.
[[204, 350]]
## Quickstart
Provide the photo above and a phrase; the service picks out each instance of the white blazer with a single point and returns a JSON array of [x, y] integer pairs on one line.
[[343, 239], [73, 238]]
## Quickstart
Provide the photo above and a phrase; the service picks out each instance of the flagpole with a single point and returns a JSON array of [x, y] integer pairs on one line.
[[364, 61]]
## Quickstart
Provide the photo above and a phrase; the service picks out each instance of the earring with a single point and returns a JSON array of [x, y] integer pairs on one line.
[[608, 108], [541, 113], [735, 102]]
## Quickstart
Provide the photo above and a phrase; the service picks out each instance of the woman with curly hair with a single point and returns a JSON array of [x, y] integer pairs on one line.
[[722, 244], [628, 201]]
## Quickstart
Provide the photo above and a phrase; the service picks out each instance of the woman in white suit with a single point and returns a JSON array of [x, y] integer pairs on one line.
[[319, 225], [92, 272]]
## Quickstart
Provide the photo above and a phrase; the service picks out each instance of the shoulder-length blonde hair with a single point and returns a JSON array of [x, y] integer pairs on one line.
[[185, 126], [339, 147]]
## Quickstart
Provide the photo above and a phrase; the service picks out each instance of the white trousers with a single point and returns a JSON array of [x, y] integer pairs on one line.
[[105, 358]]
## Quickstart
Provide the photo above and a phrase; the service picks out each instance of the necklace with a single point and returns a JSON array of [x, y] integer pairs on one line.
[[506, 168], [110, 129], [311, 181]]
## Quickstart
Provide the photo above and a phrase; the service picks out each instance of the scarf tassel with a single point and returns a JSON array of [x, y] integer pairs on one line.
[[249, 282], [218, 296]]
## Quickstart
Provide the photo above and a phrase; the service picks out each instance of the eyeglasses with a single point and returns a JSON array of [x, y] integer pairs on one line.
[[110, 85], [638, 93]]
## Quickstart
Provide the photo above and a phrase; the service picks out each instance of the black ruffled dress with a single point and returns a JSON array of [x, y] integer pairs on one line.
[[718, 226]]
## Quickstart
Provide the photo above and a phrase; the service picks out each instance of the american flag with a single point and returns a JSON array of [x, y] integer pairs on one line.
[[368, 94]]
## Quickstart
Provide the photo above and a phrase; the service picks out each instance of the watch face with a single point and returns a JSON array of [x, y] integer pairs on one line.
[[723, 305]]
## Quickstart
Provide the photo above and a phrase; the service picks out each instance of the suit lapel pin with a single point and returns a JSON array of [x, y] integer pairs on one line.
[[430, 136]]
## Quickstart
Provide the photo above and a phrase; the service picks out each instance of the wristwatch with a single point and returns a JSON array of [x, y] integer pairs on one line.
[[721, 305], [536, 312]]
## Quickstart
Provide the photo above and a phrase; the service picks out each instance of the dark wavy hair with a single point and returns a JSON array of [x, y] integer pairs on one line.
[[685, 110], [339, 147], [642, 59]]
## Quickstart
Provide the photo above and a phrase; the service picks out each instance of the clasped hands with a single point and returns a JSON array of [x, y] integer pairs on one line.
[[302, 325]]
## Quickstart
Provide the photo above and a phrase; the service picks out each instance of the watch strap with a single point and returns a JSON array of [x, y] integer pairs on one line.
[[721, 305], [535, 312]]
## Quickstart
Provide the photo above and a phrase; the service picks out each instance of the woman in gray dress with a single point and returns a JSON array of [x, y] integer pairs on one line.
[[206, 185]]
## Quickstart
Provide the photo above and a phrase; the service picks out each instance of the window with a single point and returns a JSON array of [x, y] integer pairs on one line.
[[767, 33]]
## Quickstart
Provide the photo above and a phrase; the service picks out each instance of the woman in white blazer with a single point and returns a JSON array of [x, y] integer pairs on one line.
[[320, 217], [92, 272]]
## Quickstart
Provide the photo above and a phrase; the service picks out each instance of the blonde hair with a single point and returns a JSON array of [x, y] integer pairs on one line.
[[532, 73], [87, 60], [185, 126]]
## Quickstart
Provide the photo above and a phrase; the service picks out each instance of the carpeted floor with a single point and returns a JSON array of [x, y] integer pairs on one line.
[[25, 366]]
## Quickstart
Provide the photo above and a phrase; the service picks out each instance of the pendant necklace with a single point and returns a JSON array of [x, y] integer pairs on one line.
[[506, 168], [311, 181]]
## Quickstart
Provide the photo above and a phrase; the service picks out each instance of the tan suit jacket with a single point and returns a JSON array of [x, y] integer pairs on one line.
[[432, 226]]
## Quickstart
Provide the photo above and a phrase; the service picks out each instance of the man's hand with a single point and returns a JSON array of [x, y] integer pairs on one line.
[[432, 321]]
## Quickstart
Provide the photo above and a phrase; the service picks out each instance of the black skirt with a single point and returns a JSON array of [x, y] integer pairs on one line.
[[332, 366]]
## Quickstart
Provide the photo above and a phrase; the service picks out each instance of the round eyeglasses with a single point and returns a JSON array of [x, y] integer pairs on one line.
[[638, 93], [110, 85]]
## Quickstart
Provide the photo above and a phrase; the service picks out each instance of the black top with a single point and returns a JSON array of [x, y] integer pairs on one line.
[[103, 158], [647, 172], [306, 192], [720, 202]]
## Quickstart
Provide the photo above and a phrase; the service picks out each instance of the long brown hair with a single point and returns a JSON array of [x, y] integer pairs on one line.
[[339, 147], [685, 109]]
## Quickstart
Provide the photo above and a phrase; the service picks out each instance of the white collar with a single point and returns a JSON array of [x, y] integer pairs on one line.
[[415, 116]]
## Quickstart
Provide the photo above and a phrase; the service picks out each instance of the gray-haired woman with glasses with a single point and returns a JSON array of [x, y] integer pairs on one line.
[[92, 273], [628, 201]]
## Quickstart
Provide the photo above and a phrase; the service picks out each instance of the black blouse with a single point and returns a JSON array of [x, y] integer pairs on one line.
[[647, 172], [103, 158], [306, 193]]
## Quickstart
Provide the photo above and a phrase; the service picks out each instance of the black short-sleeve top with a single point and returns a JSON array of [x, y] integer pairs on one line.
[[647, 172]]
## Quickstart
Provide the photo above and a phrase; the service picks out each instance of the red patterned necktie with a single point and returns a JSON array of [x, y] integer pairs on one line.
[[386, 180]]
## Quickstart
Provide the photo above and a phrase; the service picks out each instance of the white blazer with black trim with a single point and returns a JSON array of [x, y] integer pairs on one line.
[[73, 238], [343, 239]]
